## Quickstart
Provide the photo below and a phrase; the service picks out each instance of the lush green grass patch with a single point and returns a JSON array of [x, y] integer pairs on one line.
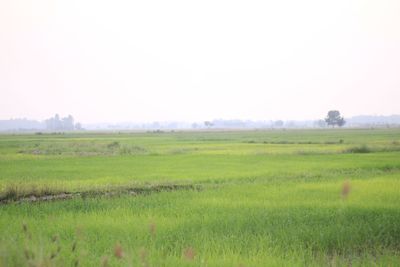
[[268, 198]]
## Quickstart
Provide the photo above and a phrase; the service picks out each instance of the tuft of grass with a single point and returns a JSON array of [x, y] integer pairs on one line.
[[10, 193], [113, 145], [359, 149], [14, 192]]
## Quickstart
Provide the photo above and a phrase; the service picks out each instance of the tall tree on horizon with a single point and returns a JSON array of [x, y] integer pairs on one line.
[[333, 118]]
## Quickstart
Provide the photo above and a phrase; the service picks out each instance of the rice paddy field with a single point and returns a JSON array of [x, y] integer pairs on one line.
[[216, 198]]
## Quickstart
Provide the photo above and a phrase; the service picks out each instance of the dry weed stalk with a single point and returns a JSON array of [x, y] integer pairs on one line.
[[346, 188], [118, 251], [144, 257], [152, 229], [189, 253]]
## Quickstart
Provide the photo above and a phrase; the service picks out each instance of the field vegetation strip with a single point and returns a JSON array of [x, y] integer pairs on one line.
[[13, 196], [234, 198]]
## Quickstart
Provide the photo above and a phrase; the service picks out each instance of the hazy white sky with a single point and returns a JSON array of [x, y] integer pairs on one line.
[[128, 60]]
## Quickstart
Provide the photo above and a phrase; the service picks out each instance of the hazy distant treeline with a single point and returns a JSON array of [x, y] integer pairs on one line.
[[52, 124], [359, 121], [57, 123], [21, 124], [62, 124]]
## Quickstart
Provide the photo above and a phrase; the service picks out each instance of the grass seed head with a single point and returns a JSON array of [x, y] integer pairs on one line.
[[26, 231], [79, 232], [346, 189], [118, 251], [189, 253], [73, 248], [152, 229], [28, 254], [144, 257], [24, 227], [104, 261], [54, 238]]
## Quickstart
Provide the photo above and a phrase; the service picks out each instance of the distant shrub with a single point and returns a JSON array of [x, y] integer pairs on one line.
[[132, 150], [330, 143], [281, 142], [359, 149], [341, 141], [113, 145]]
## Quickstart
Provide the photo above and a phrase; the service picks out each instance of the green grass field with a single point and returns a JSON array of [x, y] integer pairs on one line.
[[237, 198]]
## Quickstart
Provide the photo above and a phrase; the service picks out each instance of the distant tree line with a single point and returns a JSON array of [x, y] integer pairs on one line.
[[333, 119], [62, 124]]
